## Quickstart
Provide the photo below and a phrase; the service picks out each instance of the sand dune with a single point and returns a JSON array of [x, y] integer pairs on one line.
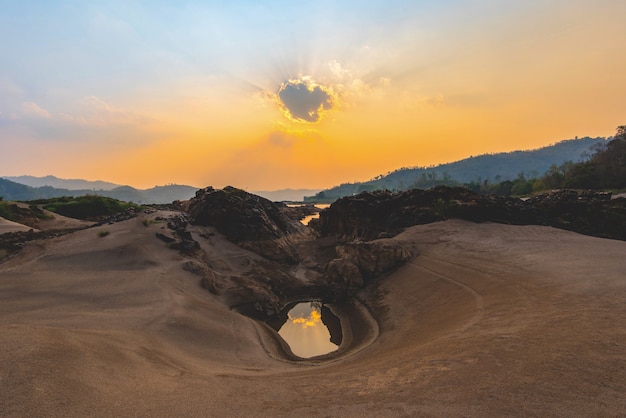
[[487, 320]]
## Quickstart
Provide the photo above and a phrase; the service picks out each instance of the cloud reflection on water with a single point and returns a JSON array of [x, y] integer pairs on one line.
[[305, 332]]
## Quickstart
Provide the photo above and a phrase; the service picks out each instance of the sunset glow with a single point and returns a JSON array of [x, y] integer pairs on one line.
[[278, 94]]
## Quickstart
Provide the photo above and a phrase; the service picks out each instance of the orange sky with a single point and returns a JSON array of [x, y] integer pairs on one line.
[[149, 94]]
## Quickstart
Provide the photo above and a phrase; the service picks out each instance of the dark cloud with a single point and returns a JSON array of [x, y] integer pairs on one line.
[[304, 101]]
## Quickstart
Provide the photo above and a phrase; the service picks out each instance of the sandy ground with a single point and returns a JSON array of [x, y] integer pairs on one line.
[[487, 320], [10, 226], [55, 222]]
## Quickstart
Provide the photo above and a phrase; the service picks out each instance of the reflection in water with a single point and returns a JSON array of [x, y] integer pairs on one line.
[[308, 218], [305, 332]]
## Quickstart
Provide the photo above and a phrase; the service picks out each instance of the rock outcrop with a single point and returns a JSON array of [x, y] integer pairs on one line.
[[589, 212], [361, 262], [250, 221], [381, 214]]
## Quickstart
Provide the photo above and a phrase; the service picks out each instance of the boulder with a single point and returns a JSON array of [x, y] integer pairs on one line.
[[239, 215], [248, 220]]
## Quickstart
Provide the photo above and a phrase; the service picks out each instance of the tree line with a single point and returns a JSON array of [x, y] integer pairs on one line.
[[606, 169]]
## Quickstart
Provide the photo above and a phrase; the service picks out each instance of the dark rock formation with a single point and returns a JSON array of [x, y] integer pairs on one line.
[[368, 215], [239, 215], [589, 212], [179, 238], [333, 323], [362, 262], [248, 220], [371, 215]]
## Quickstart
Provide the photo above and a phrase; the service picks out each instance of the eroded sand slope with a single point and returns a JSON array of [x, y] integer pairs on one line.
[[487, 319]]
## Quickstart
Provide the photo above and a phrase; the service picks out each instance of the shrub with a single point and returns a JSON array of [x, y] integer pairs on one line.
[[86, 207]]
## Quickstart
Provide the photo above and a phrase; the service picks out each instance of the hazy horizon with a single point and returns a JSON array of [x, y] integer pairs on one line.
[[279, 95], [266, 190]]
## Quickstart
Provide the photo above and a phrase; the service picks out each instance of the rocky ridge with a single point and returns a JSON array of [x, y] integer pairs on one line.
[[383, 214]]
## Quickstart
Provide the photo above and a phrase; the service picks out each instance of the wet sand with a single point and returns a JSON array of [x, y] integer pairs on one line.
[[486, 320]]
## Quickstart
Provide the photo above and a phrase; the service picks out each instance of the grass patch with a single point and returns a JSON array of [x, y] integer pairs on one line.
[[87, 207], [39, 214], [147, 222], [6, 212], [103, 234]]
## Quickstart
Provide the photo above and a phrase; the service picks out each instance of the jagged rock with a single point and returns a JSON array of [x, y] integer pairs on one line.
[[251, 221], [374, 258], [333, 323], [165, 238], [345, 273], [239, 215], [254, 298], [195, 267], [181, 239], [362, 262], [177, 223], [371, 215], [368, 215], [589, 212]]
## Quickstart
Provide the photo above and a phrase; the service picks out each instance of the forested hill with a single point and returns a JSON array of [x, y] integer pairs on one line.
[[489, 167]]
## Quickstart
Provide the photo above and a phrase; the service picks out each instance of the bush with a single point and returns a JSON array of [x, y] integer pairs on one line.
[[104, 233], [86, 207], [5, 211]]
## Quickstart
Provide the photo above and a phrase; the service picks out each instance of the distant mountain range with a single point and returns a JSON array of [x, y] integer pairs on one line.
[[487, 167], [31, 188], [69, 184], [10, 190]]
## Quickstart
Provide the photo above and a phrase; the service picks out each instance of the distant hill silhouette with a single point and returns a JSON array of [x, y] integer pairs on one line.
[[58, 183], [490, 167], [158, 194], [10, 190]]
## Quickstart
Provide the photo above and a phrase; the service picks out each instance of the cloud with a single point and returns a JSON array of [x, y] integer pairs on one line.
[[338, 70], [305, 101], [33, 110], [97, 113]]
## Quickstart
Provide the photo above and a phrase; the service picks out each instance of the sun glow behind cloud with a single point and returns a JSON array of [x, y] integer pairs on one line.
[[270, 95]]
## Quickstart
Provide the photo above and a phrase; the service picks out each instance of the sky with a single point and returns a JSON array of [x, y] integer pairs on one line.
[[266, 95]]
